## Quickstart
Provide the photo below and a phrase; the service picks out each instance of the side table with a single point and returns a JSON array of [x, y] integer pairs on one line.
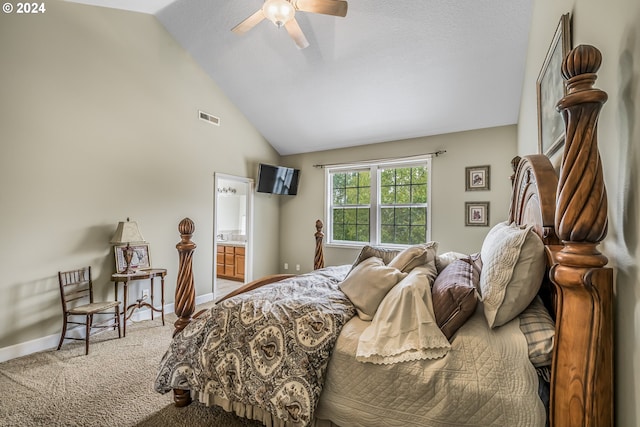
[[146, 274]]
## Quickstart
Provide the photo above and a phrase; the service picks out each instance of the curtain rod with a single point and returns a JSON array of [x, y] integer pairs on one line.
[[389, 159]]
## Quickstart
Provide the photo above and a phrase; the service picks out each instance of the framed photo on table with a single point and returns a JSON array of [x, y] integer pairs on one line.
[[139, 260], [550, 88], [477, 177], [476, 214]]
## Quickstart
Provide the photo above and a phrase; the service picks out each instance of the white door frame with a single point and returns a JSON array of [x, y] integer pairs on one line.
[[248, 257]]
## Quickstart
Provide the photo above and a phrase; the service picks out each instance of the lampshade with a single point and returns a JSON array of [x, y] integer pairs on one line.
[[127, 232], [278, 11]]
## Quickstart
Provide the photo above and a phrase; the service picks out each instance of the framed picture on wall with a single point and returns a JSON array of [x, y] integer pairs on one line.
[[550, 88], [476, 214], [477, 177], [139, 260]]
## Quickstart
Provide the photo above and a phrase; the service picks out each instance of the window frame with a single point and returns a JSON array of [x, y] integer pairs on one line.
[[375, 203]]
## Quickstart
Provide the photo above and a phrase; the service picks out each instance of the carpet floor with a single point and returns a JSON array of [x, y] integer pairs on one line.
[[112, 386]]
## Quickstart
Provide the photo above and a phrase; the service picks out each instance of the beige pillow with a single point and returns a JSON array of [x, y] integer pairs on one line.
[[476, 261], [385, 254], [367, 284], [513, 265], [417, 255]]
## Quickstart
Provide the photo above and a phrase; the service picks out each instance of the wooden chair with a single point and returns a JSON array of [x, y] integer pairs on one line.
[[76, 294]]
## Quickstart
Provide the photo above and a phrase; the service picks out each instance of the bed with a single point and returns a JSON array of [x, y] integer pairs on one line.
[[337, 348]]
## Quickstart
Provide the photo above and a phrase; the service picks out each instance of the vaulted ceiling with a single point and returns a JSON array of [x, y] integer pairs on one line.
[[389, 70]]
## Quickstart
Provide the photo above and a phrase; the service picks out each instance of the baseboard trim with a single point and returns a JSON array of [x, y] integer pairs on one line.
[[51, 341]]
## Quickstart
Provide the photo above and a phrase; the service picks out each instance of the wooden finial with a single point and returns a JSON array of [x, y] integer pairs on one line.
[[580, 66]]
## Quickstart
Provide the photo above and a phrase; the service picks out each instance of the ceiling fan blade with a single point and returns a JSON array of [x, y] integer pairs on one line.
[[249, 23], [327, 7], [296, 33]]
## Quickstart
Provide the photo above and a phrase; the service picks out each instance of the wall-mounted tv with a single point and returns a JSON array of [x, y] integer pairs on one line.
[[277, 179]]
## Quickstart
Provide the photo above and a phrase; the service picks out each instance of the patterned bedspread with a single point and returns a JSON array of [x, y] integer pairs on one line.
[[268, 348]]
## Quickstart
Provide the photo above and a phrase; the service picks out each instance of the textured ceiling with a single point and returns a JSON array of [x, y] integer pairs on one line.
[[389, 70]]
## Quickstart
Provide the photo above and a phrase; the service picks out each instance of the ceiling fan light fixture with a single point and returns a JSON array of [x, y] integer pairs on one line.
[[278, 11]]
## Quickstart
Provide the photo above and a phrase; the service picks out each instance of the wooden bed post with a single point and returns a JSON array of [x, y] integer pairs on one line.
[[185, 302], [582, 372], [318, 259]]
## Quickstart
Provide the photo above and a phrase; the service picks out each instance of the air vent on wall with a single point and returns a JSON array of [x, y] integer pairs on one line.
[[209, 118]]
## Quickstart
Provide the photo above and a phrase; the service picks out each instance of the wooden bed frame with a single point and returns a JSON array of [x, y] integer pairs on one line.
[[569, 212]]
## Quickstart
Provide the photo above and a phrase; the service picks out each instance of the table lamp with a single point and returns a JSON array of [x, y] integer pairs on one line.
[[127, 233]]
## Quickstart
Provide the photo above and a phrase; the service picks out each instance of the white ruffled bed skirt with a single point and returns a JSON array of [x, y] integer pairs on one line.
[[251, 412]]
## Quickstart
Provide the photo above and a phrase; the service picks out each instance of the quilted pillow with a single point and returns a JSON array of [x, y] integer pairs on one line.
[[539, 329], [417, 255], [454, 295], [513, 265], [367, 284]]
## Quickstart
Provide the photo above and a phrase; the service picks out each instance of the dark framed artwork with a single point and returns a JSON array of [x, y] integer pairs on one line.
[[476, 214], [477, 177], [139, 260], [550, 88]]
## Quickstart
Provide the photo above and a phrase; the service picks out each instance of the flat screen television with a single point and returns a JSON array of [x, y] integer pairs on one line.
[[278, 180]]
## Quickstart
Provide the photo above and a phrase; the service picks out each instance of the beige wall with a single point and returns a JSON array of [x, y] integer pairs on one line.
[[495, 147], [612, 27], [98, 122]]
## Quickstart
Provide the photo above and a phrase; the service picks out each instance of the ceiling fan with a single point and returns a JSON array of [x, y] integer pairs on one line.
[[281, 13]]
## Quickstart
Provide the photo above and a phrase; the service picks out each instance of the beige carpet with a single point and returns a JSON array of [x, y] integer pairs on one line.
[[112, 386]]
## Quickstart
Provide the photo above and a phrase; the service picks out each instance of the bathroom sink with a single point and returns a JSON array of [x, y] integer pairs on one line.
[[232, 242]]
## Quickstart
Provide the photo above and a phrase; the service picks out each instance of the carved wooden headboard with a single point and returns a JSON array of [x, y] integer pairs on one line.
[[534, 198]]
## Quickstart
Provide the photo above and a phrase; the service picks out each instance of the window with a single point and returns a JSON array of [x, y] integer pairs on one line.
[[379, 204]]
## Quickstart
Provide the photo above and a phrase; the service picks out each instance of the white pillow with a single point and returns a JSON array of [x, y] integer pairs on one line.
[[513, 267], [367, 284], [443, 260]]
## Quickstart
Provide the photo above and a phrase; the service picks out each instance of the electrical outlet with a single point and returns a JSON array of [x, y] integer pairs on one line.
[[286, 265], [297, 267], [145, 293]]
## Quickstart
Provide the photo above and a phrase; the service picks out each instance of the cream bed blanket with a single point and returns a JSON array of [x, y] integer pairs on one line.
[[404, 327], [485, 379]]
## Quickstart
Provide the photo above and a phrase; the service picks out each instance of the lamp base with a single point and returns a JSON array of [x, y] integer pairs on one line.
[[128, 256]]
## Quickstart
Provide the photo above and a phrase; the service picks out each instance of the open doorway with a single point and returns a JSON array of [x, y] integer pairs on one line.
[[233, 234]]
